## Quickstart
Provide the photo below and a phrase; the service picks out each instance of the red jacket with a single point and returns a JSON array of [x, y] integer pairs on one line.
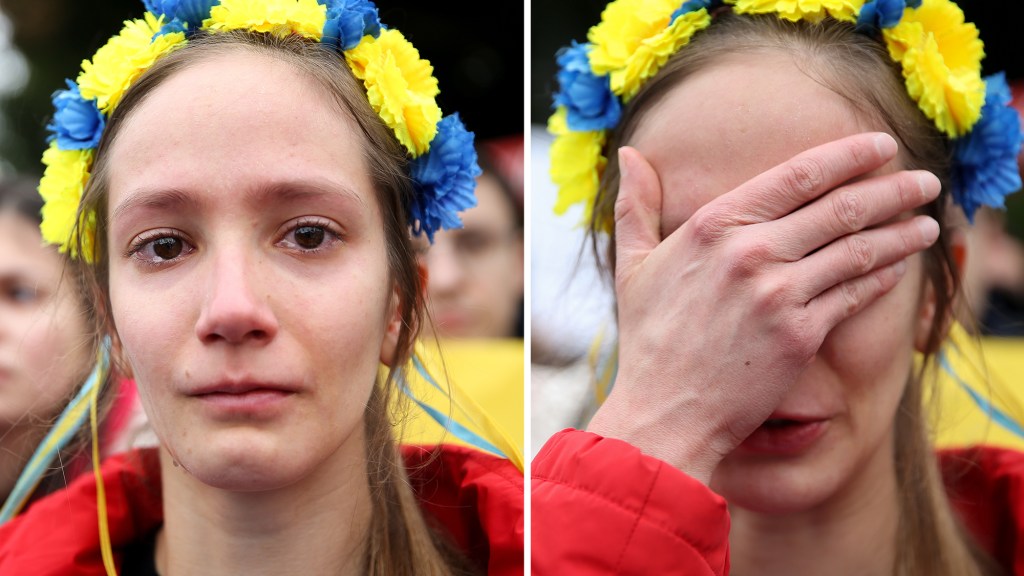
[[477, 497], [600, 506]]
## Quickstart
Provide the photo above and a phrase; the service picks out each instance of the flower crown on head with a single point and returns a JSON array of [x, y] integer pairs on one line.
[[939, 53], [399, 86]]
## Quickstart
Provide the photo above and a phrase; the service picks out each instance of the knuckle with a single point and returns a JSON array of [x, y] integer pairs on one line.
[[860, 254], [707, 227], [770, 295], [804, 176], [745, 259], [796, 338], [863, 154], [852, 294], [850, 211]]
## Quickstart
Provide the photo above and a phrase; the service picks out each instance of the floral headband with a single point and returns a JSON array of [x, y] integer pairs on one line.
[[939, 53], [399, 85]]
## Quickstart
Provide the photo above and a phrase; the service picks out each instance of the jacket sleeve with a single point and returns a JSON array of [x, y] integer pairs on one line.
[[600, 506]]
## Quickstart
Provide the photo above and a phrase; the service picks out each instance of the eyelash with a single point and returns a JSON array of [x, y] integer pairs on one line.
[[331, 234], [147, 239]]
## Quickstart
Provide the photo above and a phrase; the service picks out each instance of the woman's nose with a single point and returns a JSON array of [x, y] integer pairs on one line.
[[234, 311], [444, 265]]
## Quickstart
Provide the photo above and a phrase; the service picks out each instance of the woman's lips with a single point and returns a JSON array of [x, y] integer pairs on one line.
[[785, 436], [244, 400]]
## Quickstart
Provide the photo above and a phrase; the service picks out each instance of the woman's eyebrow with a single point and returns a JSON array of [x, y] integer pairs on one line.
[[278, 192], [286, 191], [166, 199]]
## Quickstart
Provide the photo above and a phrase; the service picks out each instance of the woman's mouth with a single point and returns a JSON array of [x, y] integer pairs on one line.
[[244, 400], [785, 436]]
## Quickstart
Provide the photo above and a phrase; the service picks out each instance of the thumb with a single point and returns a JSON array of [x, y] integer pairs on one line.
[[637, 210]]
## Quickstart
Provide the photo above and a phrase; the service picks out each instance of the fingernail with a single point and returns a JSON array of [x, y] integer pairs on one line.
[[929, 228], [900, 267], [886, 145], [623, 168], [929, 185]]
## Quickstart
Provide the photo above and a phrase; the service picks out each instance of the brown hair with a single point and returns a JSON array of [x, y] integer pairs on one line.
[[858, 67], [18, 195], [399, 540]]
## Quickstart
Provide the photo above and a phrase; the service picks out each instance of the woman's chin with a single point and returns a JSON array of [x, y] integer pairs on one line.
[[242, 463], [774, 486]]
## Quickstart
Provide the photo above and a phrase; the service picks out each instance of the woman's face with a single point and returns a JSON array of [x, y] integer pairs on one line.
[[476, 272], [248, 276], [43, 342], [729, 123]]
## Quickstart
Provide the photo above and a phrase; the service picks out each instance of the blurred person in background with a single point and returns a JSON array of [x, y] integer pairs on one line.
[[43, 339], [476, 273]]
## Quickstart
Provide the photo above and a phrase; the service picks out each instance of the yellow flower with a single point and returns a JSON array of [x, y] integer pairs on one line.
[[576, 164], [941, 58], [278, 17], [635, 39], [796, 10], [123, 59], [400, 86], [67, 172]]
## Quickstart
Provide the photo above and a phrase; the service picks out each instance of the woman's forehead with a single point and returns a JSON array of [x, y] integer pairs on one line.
[[236, 119], [727, 123]]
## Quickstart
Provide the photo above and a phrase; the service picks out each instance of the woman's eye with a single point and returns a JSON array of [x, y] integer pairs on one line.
[[161, 248], [310, 236], [22, 294]]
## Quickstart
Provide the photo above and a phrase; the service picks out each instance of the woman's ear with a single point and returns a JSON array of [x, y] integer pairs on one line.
[[389, 348], [926, 318]]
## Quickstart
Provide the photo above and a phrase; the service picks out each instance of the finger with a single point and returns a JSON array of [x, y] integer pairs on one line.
[[637, 210], [852, 208], [788, 186], [848, 298], [858, 254]]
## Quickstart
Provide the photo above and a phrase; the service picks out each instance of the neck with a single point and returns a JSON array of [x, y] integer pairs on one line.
[[17, 443], [853, 532], [317, 525]]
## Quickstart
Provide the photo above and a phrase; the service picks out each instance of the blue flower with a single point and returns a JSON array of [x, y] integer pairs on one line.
[[192, 12], [693, 6], [349, 20], [985, 160], [444, 179], [878, 14], [588, 98], [171, 27], [77, 123]]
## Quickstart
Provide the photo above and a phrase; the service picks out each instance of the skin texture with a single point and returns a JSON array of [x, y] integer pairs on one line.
[[233, 174], [43, 342], [739, 226], [476, 273]]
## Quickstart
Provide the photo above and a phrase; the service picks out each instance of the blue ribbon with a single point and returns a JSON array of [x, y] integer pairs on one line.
[[447, 422], [997, 415]]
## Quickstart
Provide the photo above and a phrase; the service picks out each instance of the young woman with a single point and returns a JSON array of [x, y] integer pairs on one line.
[[250, 179], [43, 346], [777, 183]]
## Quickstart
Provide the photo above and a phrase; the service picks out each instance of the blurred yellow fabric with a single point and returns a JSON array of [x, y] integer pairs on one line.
[[483, 374], [994, 369]]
